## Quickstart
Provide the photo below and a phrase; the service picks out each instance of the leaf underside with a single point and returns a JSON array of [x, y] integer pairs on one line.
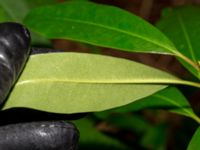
[[72, 83], [170, 99]]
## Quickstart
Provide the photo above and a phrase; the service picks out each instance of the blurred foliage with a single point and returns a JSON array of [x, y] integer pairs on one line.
[[11, 10], [91, 138]]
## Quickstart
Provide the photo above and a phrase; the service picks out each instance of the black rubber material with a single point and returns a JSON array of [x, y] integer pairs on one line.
[[24, 115], [55, 135], [14, 51]]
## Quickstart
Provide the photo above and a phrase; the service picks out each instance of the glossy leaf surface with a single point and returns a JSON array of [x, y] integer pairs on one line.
[[72, 82], [181, 25], [194, 143], [100, 25]]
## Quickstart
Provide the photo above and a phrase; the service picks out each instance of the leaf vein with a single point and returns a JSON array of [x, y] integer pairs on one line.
[[185, 33], [115, 29]]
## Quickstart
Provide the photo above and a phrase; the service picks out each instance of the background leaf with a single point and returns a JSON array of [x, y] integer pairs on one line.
[[185, 32], [194, 143], [16, 11], [3, 15], [72, 82], [150, 136], [12, 8], [124, 31], [91, 138]]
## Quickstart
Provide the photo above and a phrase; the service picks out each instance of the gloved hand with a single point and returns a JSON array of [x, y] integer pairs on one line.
[[43, 135]]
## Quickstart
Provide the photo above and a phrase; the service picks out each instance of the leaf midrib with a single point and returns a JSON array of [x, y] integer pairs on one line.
[[113, 29], [140, 81], [97, 81]]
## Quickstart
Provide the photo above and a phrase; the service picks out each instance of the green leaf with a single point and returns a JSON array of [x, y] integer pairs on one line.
[[72, 82], [3, 15], [194, 143], [39, 3], [169, 99], [100, 25], [16, 11], [91, 138], [181, 25], [12, 8]]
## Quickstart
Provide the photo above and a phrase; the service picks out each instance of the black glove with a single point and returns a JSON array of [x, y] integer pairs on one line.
[[54, 135], [43, 135]]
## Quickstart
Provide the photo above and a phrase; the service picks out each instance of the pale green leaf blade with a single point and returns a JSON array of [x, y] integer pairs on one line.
[[194, 143], [100, 25], [170, 99], [91, 138], [72, 82], [184, 33]]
